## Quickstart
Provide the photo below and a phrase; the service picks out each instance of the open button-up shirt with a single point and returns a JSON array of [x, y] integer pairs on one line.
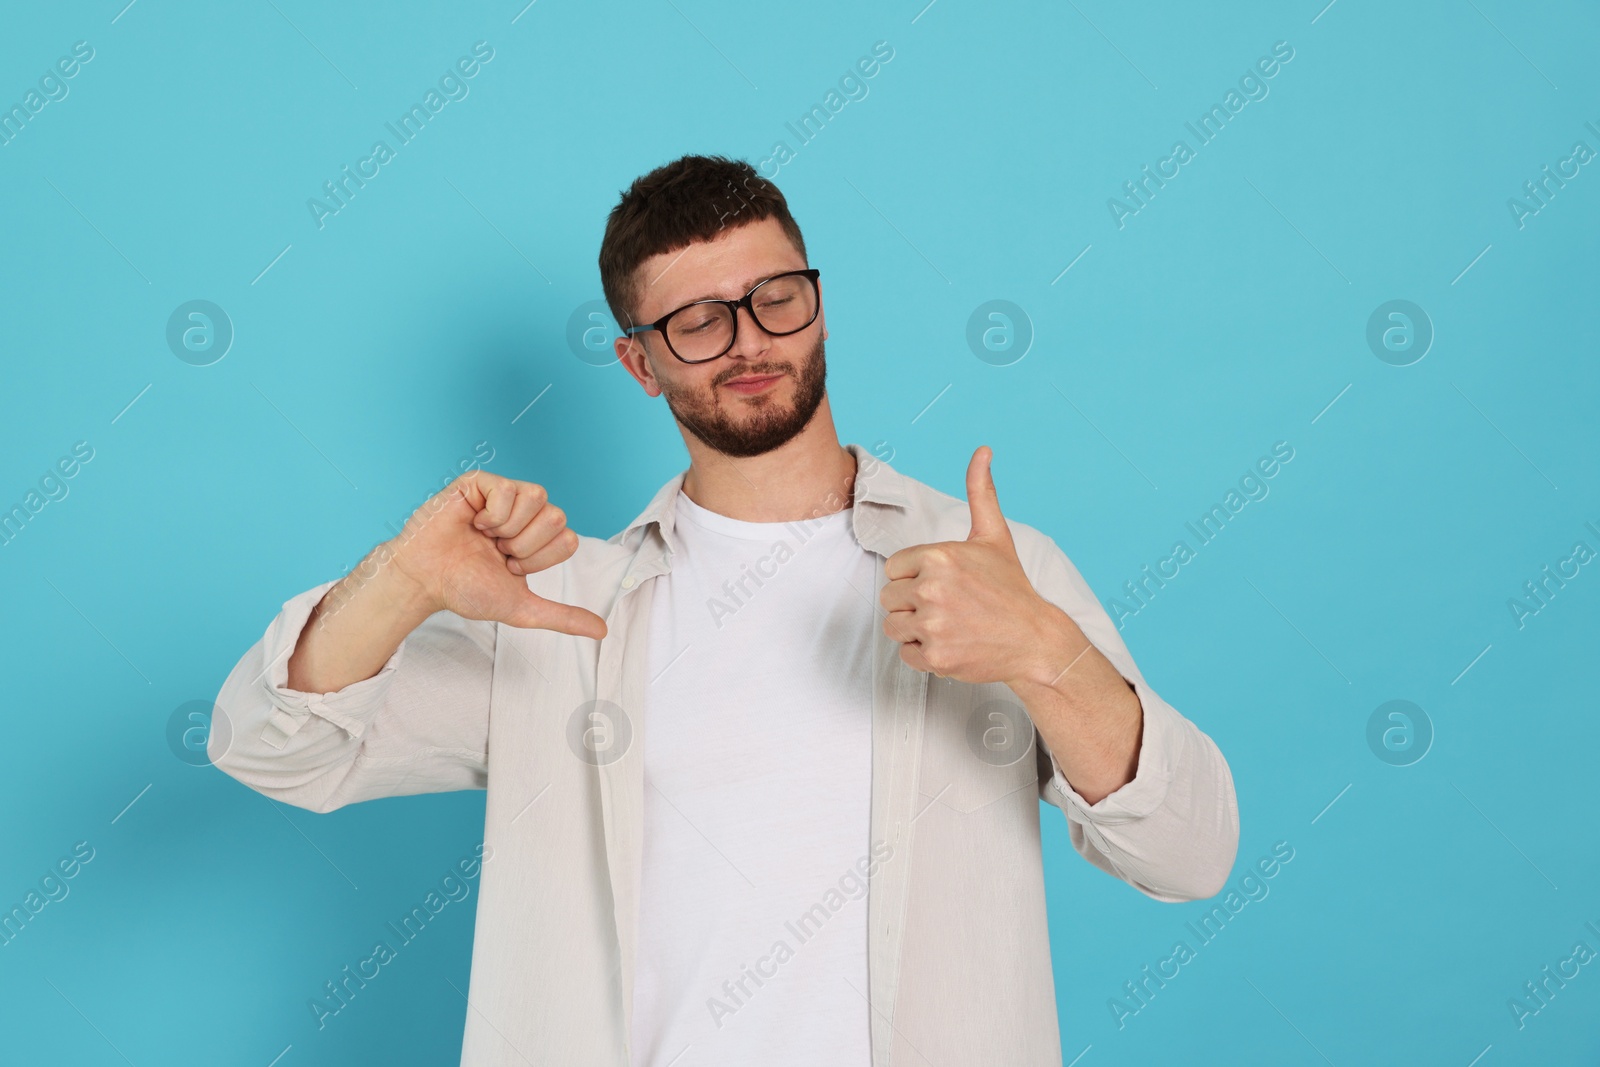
[[958, 954]]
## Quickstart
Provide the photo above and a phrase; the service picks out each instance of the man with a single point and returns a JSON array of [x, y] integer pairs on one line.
[[763, 769]]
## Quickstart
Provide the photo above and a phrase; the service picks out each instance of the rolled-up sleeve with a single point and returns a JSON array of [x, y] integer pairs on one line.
[[1172, 832], [420, 725]]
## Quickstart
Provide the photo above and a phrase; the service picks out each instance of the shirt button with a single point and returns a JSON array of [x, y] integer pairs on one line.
[[627, 583]]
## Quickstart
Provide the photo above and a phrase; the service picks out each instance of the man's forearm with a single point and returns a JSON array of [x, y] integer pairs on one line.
[[357, 626], [1087, 713]]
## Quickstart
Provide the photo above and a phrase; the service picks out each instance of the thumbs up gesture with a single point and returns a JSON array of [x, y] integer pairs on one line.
[[966, 609]]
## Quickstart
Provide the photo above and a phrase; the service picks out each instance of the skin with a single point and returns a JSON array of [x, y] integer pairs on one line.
[[962, 609]]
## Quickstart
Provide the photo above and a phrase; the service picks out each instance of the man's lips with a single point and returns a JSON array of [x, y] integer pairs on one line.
[[751, 383]]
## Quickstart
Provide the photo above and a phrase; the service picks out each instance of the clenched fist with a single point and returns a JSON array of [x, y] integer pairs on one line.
[[469, 548]]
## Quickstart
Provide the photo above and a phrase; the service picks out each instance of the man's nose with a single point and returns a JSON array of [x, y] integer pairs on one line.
[[749, 338]]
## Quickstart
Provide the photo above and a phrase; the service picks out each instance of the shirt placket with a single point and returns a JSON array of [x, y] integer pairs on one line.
[[620, 680], [899, 701]]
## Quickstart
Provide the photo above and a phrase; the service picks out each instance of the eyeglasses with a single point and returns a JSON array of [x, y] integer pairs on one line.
[[705, 330]]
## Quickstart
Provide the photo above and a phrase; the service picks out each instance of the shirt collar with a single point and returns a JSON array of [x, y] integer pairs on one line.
[[876, 483]]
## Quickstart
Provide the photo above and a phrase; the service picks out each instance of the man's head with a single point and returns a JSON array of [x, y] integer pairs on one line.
[[708, 227]]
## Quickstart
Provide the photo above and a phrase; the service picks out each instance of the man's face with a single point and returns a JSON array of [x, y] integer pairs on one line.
[[765, 389]]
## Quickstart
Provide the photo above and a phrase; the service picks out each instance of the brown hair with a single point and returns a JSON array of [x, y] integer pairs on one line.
[[691, 199]]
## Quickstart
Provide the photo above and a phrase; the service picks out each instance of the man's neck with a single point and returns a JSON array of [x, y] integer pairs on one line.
[[806, 477]]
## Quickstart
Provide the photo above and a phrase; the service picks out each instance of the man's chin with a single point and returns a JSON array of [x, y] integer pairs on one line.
[[751, 429]]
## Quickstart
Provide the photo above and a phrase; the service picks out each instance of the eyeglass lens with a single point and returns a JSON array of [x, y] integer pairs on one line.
[[705, 331]]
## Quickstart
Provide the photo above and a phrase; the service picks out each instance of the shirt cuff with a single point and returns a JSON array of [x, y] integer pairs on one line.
[[350, 708], [1147, 790]]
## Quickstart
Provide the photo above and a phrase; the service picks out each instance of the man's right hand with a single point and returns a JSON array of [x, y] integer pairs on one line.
[[469, 548]]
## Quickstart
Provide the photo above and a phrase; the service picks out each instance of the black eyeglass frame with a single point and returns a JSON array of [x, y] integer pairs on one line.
[[746, 302]]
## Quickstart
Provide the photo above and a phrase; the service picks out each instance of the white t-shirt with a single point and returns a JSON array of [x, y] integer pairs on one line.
[[757, 764]]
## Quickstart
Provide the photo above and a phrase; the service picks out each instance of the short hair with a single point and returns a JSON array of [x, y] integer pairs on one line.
[[693, 198]]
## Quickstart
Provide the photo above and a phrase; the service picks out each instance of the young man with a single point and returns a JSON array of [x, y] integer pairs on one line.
[[763, 768]]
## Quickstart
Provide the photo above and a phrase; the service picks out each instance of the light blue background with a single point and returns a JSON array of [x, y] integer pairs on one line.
[[1228, 314]]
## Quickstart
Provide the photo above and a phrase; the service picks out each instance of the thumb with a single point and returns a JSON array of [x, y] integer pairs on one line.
[[537, 613], [988, 524]]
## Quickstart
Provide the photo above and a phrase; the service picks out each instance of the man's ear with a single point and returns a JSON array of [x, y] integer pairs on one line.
[[631, 354]]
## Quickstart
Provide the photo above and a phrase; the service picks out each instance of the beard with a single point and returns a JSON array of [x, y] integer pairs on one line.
[[760, 423]]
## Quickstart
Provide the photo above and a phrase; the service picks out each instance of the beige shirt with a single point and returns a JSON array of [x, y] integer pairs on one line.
[[959, 954]]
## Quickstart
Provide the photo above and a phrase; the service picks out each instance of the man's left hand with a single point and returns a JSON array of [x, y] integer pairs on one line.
[[966, 609]]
